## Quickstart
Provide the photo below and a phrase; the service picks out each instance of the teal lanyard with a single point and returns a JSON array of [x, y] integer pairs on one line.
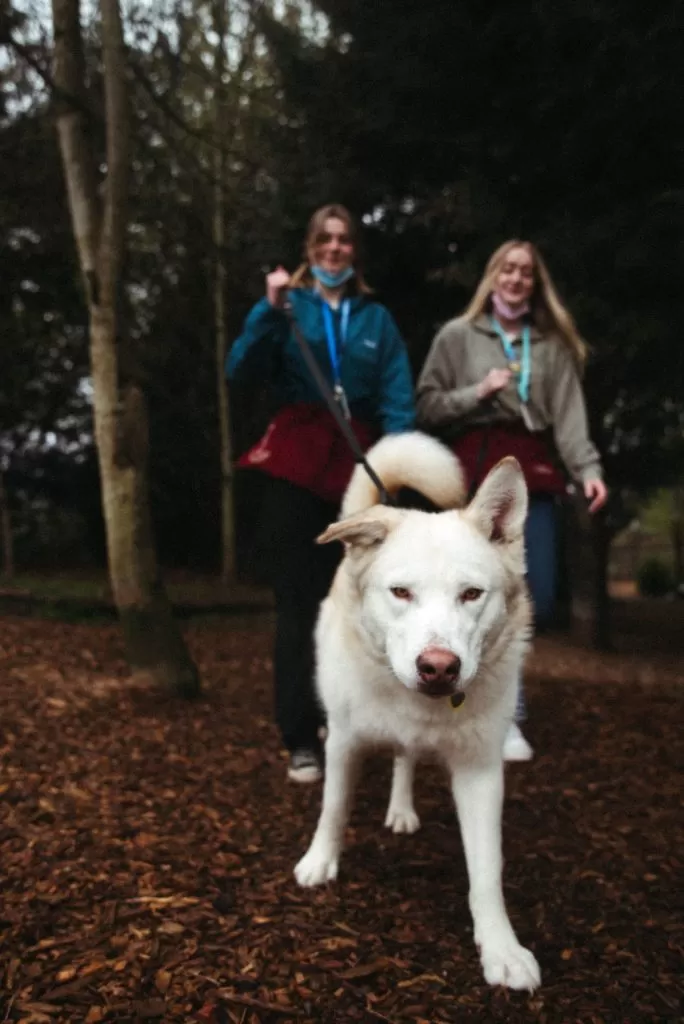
[[520, 367]]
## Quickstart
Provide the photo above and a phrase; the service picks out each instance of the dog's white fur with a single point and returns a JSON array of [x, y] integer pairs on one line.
[[413, 582]]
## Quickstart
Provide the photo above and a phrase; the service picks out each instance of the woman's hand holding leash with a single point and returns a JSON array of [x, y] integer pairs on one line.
[[276, 286]]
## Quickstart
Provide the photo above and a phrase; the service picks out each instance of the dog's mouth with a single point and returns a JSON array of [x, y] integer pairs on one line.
[[437, 688]]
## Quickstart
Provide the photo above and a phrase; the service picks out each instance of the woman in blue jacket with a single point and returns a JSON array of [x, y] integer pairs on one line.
[[303, 454]]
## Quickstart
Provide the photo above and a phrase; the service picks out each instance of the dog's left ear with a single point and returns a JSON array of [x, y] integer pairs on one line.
[[499, 508], [364, 529]]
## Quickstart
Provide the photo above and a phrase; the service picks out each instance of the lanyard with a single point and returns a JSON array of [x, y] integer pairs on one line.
[[334, 352], [524, 370], [329, 321]]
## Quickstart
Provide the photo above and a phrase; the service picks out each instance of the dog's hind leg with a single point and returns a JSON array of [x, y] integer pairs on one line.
[[478, 794], [401, 814], [319, 864]]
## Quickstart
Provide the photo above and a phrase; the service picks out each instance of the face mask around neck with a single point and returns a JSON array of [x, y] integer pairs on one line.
[[332, 280], [502, 308]]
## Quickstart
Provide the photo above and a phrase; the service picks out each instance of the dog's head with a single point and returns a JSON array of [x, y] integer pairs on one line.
[[436, 589]]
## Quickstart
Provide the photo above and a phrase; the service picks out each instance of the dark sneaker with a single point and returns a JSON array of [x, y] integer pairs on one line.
[[304, 766]]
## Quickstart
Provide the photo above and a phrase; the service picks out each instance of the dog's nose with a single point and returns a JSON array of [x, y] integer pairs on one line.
[[438, 667]]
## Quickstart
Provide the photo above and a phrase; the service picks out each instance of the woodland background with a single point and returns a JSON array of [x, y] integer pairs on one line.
[[447, 127], [148, 841]]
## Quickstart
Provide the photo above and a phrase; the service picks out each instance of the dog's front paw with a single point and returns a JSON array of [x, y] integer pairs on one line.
[[402, 819], [316, 868], [510, 964]]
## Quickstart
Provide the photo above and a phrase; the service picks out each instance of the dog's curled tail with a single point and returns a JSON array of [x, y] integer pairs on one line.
[[407, 460]]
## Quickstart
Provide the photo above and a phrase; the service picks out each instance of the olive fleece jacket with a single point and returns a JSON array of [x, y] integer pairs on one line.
[[463, 353]]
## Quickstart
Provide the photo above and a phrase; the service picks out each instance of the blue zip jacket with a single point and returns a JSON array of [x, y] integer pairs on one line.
[[374, 366]]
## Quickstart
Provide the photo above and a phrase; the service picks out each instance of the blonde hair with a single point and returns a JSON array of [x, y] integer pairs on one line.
[[547, 311], [302, 277]]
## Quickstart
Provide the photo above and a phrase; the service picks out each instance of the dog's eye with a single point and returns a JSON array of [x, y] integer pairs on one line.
[[471, 594], [402, 593]]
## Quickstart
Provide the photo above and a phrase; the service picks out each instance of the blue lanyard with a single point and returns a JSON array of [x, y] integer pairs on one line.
[[524, 369], [329, 321]]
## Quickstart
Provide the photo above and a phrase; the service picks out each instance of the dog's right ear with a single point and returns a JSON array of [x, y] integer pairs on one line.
[[364, 529]]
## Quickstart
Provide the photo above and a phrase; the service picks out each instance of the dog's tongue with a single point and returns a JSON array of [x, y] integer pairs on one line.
[[457, 699]]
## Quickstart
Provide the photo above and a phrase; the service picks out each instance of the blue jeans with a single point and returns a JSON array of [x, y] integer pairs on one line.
[[542, 561]]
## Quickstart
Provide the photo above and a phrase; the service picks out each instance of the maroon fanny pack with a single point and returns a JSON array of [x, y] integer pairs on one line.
[[482, 447], [304, 445]]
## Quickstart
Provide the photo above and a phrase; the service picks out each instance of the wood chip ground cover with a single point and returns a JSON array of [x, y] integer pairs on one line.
[[148, 846]]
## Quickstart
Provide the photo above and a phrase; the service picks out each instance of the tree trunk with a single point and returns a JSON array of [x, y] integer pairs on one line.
[[220, 282], [562, 617], [601, 620], [6, 532], [589, 541], [587, 564], [154, 644], [579, 562], [677, 534]]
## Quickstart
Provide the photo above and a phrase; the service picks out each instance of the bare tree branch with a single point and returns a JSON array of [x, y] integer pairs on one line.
[[118, 144], [206, 138], [31, 55]]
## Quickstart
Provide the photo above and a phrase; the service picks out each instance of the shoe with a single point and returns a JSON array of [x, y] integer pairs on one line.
[[516, 747], [304, 766]]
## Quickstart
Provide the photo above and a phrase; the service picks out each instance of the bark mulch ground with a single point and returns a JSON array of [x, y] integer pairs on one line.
[[147, 849]]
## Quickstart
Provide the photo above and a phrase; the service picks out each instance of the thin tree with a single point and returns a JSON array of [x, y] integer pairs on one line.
[[6, 537], [677, 533], [220, 286], [99, 214]]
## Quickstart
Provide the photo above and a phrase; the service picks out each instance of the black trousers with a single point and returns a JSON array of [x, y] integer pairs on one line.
[[300, 572]]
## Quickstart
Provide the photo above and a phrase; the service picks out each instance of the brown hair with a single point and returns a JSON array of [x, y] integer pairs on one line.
[[302, 277], [547, 311]]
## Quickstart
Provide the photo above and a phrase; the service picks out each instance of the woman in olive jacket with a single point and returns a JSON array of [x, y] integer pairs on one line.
[[504, 379]]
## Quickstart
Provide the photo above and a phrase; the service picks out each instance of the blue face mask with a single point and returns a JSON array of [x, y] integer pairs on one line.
[[332, 280]]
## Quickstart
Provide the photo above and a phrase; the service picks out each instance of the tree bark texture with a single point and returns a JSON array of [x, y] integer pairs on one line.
[[220, 285], [154, 643], [677, 534], [6, 531], [601, 538], [588, 551]]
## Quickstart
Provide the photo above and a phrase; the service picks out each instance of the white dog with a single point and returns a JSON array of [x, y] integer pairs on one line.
[[419, 645]]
